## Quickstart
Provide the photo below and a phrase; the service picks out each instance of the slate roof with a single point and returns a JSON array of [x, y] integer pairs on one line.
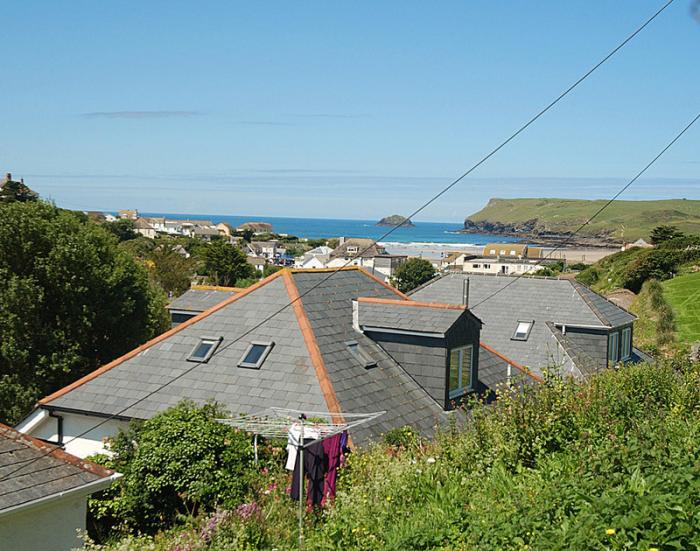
[[43, 475], [367, 248], [527, 299], [407, 316], [200, 299], [309, 368]]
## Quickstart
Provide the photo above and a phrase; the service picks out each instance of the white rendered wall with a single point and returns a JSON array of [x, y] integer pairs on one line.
[[49, 528], [73, 425]]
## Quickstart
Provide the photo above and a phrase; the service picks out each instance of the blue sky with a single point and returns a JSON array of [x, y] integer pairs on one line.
[[349, 110]]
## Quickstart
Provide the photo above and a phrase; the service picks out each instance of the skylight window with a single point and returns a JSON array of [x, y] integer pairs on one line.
[[255, 354], [204, 349], [522, 331], [360, 354]]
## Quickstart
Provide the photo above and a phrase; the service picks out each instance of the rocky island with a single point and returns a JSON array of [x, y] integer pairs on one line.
[[396, 220]]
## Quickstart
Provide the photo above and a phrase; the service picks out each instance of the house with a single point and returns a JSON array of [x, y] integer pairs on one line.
[[356, 248], [43, 493], [196, 300], [205, 233], [266, 249], [256, 227], [364, 253], [315, 258], [641, 243], [507, 258], [342, 344], [542, 323], [225, 229], [258, 262], [387, 264], [128, 214], [144, 228], [158, 223]]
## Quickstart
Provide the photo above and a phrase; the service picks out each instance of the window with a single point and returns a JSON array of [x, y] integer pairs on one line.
[[204, 349], [360, 354], [476, 265], [626, 343], [492, 251], [522, 331], [460, 377], [353, 249], [255, 354], [503, 251], [512, 253], [487, 266], [612, 346]]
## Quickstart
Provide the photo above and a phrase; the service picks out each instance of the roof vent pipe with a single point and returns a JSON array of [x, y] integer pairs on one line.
[[465, 292]]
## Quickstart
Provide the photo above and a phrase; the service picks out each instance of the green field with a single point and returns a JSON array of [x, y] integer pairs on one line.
[[634, 219], [683, 294]]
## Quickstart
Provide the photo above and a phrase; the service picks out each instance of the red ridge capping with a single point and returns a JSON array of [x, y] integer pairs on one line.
[[114, 363], [314, 351], [515, 364], [56, 451]]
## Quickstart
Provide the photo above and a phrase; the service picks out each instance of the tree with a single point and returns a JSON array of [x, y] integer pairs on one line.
[[664, 233], [70, 301], [182, 461], [224, 263], [412, 273], [171, 270], [270, 269], [122, 229]]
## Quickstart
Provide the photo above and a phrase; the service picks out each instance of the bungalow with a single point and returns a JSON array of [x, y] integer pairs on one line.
[[542, 323], [315, 258], [43, 493], [342, 344], [196, 300]]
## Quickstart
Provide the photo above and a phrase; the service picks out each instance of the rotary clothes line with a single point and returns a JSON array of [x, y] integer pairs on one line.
[[286, 423]]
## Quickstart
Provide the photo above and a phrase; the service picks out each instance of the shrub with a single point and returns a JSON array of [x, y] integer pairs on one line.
[[402, 437], [589, 276], [413, 273], [180, 462]]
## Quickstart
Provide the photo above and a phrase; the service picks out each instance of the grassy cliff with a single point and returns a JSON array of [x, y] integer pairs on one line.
[[635, 218]]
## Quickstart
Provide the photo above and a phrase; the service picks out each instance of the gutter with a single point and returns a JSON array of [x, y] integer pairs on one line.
[[85, 489]]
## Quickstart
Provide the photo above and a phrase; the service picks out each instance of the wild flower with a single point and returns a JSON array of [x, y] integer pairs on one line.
[[248, 510], [610, 531]]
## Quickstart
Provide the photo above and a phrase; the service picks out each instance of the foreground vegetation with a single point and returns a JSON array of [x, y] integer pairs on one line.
[[609, 464], [635, 218]]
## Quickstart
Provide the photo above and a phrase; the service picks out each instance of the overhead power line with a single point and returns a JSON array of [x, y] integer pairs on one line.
[[434, 198]]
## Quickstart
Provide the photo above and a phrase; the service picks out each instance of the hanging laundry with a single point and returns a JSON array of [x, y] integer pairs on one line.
[[315, 467], [332, 447], [293, 441], [296, 486]]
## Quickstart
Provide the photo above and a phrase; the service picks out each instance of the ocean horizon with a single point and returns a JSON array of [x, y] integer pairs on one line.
[[421, 234]]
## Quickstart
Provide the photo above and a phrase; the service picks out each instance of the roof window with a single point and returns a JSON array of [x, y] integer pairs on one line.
[[204, 349], [360, 354], [522, 331], [255, 354]]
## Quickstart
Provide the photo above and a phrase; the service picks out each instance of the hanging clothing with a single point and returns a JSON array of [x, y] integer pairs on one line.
[[293, 441], [315, 467], [332, 447], [296, 486]]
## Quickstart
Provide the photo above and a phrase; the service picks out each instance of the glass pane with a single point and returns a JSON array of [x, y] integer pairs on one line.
[[466, 367], [254, 354], [203, 349], [454, 370]]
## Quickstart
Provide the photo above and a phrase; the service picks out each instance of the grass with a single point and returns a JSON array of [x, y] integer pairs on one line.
[[683, 294], [628, 219]]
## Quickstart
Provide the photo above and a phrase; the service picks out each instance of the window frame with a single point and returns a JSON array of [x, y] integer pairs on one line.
[[360, 354], [614, 337], [460, 390], [529, 323], [626, 343], [215, 342], [268, 345]]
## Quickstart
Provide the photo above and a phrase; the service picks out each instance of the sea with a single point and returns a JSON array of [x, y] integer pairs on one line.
[[428, 239]]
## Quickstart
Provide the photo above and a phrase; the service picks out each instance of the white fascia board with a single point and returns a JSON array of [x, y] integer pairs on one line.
[[31, 421], [85, 489]]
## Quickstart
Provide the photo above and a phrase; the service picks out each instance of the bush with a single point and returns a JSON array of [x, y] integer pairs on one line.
[[578, 267], [180, 462], [589, 276], [413, 273], [403, 437]]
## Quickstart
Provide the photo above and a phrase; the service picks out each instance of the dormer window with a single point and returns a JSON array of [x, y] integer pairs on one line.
[[353, 249], [522, 331], [255, 354], [204, 349], [360, 354]]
